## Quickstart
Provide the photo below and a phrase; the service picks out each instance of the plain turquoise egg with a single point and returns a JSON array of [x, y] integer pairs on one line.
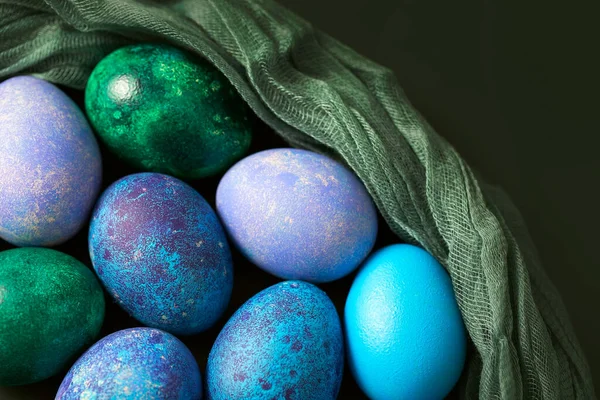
[[405, 335]]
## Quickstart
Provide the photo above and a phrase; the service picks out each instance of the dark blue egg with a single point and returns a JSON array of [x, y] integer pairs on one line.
[[138, 363], [284, 343], [50, 166], [297, 214], [160, 251]]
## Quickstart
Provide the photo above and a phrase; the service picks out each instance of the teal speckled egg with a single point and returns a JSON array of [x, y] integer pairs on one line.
[[134, 364], [51, 309], [163, 110], [284, 343], [160, 251]]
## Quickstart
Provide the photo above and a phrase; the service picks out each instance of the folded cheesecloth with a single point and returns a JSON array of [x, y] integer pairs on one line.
[[318, 94]]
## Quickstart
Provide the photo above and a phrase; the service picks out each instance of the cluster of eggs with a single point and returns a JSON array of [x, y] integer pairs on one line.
[[162, 253]]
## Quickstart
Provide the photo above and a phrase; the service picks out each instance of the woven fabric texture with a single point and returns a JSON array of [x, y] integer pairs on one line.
[[319, 94]]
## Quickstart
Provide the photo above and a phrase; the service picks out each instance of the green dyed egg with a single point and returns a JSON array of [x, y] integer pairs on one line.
[[51, 309], [163, 110]]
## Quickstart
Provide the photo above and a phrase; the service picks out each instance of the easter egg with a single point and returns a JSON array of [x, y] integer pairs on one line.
[[284, 343], [297, 214], [405, 335], [160, 251], [50, 167], [165, 110], [137, 363], [51, 309]]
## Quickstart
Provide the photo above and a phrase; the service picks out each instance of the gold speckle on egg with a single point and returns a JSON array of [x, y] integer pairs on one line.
[[87, 395], [2, 294], [323, 180], [221, 244], [215, 85], [276, 160], [270, 209], [303, 180]]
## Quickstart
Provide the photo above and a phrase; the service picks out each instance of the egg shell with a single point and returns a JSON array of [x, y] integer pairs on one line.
[[50, 166], [404, 332], [284, 343], [51, 309], [297, 214], [160, 251], [137, 363], [164, 110]]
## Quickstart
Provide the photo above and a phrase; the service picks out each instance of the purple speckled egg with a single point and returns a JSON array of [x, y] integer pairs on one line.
[[50, 167], [286, 342], [297, 214], [160, 251], [137, 363]]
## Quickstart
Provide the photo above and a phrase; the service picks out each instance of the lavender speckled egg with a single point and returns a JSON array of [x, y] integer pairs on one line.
[[160, 251], [50, 167], [297, 214], [284, 343], [138, 363]]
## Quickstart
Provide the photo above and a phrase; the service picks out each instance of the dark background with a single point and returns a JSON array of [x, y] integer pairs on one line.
[[512, 85]]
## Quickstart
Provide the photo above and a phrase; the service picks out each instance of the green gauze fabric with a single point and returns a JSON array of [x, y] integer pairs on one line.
[[318, 94]]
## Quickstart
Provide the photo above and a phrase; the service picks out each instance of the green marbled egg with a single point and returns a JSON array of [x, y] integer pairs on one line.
[[164, 110], [51, 309]]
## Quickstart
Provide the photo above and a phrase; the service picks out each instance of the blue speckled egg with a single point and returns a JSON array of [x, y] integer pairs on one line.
[[160, 251], [284, 343], [50, 167], [138, 363], [405, 335], [297, 214]]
